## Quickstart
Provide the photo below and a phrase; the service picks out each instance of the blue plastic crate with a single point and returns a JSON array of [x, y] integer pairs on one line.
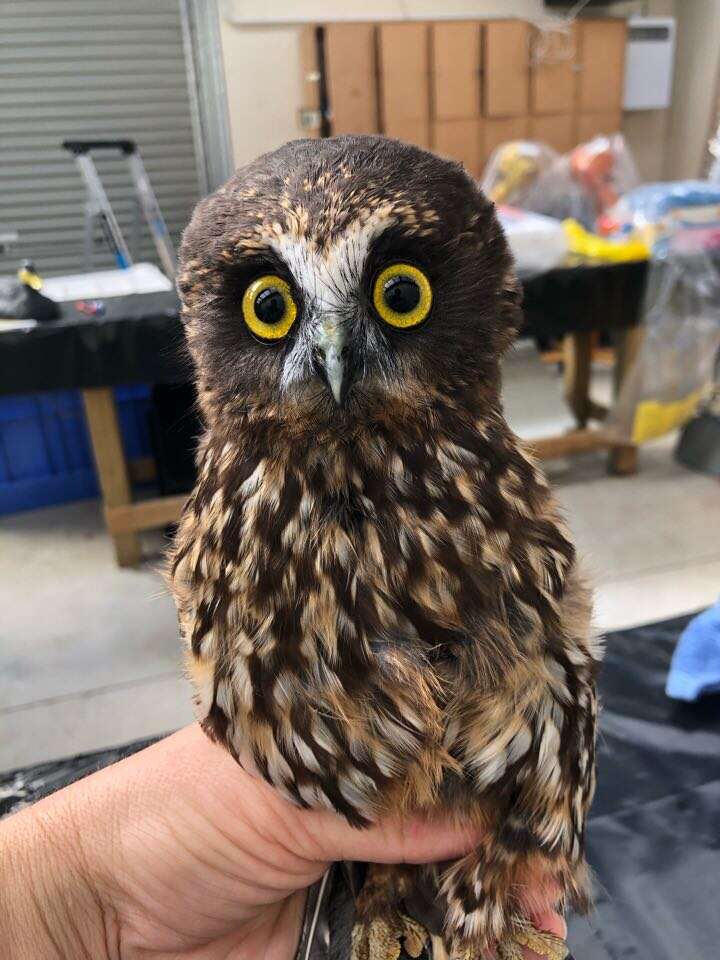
[[45, 452]]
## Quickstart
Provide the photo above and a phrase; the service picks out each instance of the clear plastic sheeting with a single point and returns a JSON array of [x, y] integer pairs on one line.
[[513, 170], [674, 367], [680, 214], [605, 169], [582, 184]]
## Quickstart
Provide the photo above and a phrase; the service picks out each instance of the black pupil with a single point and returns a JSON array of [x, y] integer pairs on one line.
[[270, 306], [402, 294]]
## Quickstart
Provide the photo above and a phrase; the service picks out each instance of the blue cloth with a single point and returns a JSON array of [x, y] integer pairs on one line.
[[695, 666], [654, 200]]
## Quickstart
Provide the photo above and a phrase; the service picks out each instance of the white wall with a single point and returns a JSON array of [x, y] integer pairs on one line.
[[311, 11], [695, 87], [262, 78]]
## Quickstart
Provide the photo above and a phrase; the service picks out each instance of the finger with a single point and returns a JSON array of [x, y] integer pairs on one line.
[[393, 841], [551, 922]]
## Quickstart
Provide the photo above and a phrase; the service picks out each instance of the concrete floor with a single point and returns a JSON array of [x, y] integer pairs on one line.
[[88, 652]]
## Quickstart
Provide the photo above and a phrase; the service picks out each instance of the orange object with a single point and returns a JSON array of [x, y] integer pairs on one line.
[[593, 168]]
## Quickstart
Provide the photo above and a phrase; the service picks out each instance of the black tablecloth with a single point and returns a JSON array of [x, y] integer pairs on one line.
[[654, 831], [139, 339]]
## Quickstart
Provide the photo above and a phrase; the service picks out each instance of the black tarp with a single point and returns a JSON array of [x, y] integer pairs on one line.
[[654, 831], [139, 338]]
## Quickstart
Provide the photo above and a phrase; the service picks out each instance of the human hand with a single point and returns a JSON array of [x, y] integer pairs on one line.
[[177, 852]]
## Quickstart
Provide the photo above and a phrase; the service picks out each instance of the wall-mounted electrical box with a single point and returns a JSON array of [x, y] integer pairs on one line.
[[649, 63]]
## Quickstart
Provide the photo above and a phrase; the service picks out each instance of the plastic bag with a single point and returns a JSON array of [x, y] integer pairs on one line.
[[537, 243], [581, 185], [681, 213], [674, 367], [18, 301], [605, 169], [513, 169]]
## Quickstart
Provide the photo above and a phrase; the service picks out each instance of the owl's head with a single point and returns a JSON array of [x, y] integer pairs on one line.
[[341, 280]]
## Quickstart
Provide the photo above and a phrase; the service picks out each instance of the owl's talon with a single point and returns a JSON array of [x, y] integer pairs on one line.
[[509, 950], [415, 936], [542, 943], [381, 938]]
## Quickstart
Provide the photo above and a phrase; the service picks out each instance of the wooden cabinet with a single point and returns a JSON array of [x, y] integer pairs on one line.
[[558, 130], [464, 87], [589, 125], [455, 55], [601, 65], [309, 117], [351, 72], [403, 60], [553, 73], [460, 140], [498, 131], [506, 59]]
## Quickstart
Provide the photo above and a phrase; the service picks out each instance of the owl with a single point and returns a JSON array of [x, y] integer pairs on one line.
[[380, 605]]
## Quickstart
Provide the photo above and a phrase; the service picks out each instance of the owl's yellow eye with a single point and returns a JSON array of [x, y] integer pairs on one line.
[[268, 307], [402, 295]]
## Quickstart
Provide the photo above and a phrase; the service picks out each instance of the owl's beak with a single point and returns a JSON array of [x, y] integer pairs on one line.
[[330, 357]]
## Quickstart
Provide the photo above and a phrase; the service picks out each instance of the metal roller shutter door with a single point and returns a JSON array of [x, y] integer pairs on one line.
[[90, 69]]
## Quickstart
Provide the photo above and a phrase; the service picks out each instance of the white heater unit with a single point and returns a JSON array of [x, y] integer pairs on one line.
[[649, 63]]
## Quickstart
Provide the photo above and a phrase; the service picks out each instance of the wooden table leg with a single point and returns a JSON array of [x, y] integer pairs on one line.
[[577, 358], [111, 466], [623, 459]]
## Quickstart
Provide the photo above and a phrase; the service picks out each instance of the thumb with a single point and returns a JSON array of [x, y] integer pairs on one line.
[[391, 840]]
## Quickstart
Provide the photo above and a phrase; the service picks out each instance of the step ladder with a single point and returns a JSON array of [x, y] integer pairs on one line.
[[99, 210]]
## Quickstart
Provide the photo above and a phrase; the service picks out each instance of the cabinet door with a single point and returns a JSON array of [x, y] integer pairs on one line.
[[351, 71], [499, 131], [459, 140], [558, 131], [589, 125], [455, 64], [601, 65], [553, 74], [309, 119], [404, 81], [507, 68]]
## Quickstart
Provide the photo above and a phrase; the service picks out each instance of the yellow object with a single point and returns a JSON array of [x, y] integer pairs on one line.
[[654, 419], [514, 170], [587, 244], [29, 278], [259, 297], [382, 286]]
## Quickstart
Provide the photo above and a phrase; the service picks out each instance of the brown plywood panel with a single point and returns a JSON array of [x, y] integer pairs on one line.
[[309, 120], [455, 64], [557, 131], [412, 131], [404, 77], [589, 125], [351, 71], [498, 131], [460, 140], [506, 60], [601, 65], [553, 77]]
